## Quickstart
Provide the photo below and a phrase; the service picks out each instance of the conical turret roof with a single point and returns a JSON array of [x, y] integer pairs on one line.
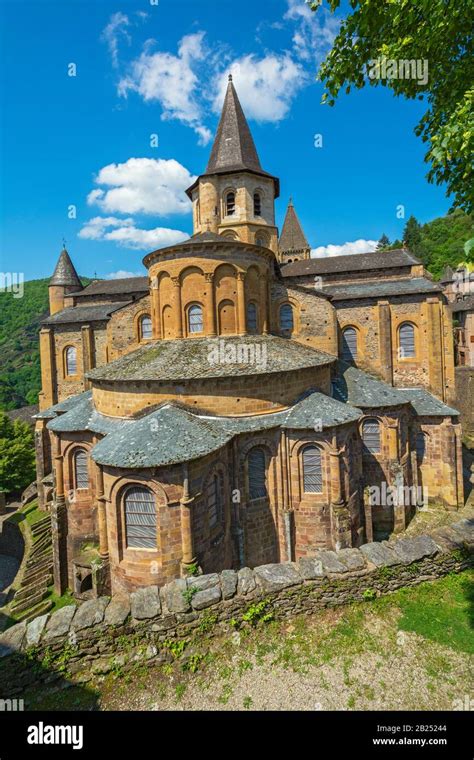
[[65, 273], [292, 237]]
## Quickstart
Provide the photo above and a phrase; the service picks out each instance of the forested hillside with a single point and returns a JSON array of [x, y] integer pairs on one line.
[[20, 378]]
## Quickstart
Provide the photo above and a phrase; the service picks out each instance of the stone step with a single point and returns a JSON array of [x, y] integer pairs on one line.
[[43, 557], [25, 604], [25, 592], [29, 577], [39, 609], [41, 523], [41, 543]]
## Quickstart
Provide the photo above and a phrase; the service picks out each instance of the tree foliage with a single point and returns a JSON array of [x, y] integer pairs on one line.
[[437, 31], [17, 454]]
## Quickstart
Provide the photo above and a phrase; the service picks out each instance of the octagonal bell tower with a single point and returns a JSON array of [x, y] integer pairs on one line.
[[235, 197]]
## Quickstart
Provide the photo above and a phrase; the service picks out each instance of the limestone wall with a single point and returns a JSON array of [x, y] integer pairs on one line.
[[105, 633]]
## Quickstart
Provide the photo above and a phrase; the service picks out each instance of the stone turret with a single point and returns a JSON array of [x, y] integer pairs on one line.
[[235, 196], [292, 245], [65, 280]]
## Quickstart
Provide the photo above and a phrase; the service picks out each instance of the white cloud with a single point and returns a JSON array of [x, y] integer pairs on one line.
[[126, 234], [266, 86], [143, 185], [172, 81], [314, 32], [346, 249], [116, 30], [121, 274]]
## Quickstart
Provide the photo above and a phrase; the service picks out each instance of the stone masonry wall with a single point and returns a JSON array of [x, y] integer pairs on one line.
[[102, 634]]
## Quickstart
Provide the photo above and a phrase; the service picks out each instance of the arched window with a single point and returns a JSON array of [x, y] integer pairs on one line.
[[312, 470], [349, 344], [145, 327], [420, 445], [81, 470], [261, 241], [286, 317], [140, 518], [71, 361], [251, 317], [257, 204], [371, 436], [195, 323], [230, 204], [406, 340], [215, 500], [257, 478]]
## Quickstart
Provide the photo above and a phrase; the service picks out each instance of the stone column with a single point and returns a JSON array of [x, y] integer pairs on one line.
[[241, 315], [101, 514], [210, 305], [187, 542], [393, 442], [59, 524], [177, 307], [155, 307], [435, 348], [385, 341], [87, 338], [264, 301], [340, 517], [48, 395]]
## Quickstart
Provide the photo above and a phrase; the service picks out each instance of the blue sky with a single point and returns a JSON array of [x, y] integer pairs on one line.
[[84, 141]]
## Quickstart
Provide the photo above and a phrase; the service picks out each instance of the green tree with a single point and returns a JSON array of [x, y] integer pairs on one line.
[[412, 233], [438, 32], [383, 242], [17, 455]]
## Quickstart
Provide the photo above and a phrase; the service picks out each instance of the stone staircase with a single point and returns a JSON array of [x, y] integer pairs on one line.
[[30, 599]]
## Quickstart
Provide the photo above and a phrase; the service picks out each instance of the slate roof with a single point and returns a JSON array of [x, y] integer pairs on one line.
[[84, 314], [65, 273], [360, 389], [173, 360], [171, 434], [63, 406], [233, 149], [382, 288], [125, 285], [427, 405], [355, 263], [467, 304], [292, 237]]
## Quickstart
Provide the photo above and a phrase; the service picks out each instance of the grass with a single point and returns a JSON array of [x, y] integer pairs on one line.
[[30, 512]]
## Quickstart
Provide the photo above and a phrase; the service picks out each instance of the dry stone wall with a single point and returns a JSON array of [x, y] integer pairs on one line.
[[106, 633]]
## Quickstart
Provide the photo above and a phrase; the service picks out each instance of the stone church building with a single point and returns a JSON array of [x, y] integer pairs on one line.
[[244, 403]]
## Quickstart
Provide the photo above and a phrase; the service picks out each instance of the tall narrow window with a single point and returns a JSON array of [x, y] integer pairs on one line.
[[349, 344], [145, 327], [312, 470], [257, 204], [286, 317], [195, 323], [257, 479], [81, 471], [420, 444], [251, 317], [71, 361], [140, 518], [371, 436], [230, 204], [406, 340], [215, 500]]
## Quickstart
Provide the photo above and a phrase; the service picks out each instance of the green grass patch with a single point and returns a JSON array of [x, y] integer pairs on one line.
[[442, 611]]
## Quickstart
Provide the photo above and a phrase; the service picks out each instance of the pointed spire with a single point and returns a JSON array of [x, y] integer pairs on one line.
[[233, 147], [292, 237], [65, 273]]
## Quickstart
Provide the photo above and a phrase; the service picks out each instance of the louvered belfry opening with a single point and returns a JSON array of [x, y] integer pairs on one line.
[[312, 470], [140, 518], [257, 475], [349, 344]]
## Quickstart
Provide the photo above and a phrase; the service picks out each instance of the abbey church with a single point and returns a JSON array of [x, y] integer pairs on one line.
[[241, 404]]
